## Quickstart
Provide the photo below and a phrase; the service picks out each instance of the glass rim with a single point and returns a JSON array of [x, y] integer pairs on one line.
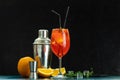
[[59, 28]]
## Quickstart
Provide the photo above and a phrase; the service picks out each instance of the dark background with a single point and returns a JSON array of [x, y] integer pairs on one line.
[[93, 25]]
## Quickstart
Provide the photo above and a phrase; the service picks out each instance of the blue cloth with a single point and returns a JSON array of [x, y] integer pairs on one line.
[[17, 77]]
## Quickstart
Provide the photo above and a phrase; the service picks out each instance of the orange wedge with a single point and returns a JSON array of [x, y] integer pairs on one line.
[[56, 71], [44, 72]]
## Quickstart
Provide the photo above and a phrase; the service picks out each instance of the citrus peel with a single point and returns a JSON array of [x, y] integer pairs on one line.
[[44, 72], [56, 71], [47, 72], [23, 66]]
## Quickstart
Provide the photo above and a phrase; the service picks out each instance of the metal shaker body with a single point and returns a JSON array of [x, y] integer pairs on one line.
[[41, 47]]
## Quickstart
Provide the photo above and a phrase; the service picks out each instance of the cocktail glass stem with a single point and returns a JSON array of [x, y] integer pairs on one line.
[[60, 65]]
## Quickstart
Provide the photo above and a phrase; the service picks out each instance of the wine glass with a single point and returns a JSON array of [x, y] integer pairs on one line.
[[60, 44]]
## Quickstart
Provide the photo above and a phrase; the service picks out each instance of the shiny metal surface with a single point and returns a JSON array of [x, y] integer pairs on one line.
[[33, 66], [43, 33], [33, 70], [41, 47], [42, 37], [33, 76]]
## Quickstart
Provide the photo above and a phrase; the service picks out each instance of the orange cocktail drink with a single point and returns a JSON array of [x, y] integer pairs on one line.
[[60, 41]]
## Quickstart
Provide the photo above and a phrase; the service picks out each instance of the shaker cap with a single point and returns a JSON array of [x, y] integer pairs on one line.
[[43, 33], [42, 37]]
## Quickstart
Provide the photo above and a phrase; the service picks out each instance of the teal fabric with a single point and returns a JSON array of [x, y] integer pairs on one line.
[[17, 77]]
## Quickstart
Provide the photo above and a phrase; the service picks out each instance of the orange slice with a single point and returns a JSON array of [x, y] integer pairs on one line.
[[44, 72], [37, 58], [56, 71]]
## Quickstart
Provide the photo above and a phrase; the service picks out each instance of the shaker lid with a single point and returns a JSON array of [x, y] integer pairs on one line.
[[42, 37], [43, 33]]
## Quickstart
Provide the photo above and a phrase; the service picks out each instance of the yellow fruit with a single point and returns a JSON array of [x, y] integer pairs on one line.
[[44, 72], [56, 71], [23, 66]]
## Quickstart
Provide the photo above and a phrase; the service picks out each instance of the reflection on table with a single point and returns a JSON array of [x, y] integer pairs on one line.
[[17, 77]]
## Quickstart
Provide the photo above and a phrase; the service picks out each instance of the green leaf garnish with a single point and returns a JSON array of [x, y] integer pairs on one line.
[[85, 73]]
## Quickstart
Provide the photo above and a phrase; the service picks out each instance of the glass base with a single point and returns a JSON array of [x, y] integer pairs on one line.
[[59, 77]]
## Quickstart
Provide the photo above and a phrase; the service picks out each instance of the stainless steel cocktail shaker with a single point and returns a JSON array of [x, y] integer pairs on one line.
[[41, 47]]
